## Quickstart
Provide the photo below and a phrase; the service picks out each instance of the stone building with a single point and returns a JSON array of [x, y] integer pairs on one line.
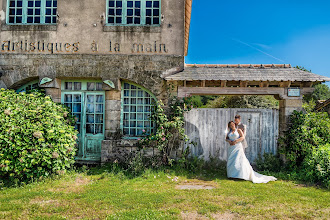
[[103, 59], [107, 60]]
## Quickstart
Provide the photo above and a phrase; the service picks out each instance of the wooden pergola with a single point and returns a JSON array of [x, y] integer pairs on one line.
[[284, 82]]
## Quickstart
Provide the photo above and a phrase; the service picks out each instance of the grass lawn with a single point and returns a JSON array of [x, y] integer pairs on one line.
[[101, 194]]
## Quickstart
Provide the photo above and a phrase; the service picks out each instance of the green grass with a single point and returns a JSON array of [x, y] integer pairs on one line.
[[102, 194]]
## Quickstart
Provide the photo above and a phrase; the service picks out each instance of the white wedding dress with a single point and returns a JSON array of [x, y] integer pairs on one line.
[[238, 165]]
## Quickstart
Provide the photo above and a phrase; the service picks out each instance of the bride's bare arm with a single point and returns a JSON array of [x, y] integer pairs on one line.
[[241, 136]]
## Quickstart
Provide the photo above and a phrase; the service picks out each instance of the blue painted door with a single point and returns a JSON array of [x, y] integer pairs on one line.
[[88, 109]]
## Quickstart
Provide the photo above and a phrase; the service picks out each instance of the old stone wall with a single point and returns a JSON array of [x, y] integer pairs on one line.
[[81, 29], [17, 69]]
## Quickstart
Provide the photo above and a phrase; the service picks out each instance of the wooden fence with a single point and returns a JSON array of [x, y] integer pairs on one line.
[[207, 127]]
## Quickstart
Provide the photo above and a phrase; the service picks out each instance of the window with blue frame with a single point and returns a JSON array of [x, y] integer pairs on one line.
[[29, 87], [31, 11], [137, 105], [133, 12]]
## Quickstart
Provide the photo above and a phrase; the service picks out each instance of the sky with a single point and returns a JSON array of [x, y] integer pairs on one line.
[[261, 32]]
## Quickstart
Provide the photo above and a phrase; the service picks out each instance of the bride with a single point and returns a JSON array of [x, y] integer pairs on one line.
[[238, 165]]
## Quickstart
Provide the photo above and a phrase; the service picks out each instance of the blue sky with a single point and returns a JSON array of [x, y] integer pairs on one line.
[[268, 31]]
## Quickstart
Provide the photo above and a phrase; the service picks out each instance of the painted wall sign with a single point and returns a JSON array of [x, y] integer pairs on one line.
[[294, 92], [42, 46]]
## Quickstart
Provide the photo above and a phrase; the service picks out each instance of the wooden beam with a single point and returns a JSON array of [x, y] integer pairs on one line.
[[185, 83], [223, 83], [243, 83], [264, 84], [203, 83], [285, 84], [188, 91], [307, 84]]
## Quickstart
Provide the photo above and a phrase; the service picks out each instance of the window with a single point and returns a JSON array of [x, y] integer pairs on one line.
[[32, 11], [136, 110], [77, 86], [29, 87], [135, 12]]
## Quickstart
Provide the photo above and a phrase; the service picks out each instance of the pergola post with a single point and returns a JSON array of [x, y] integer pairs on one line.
[[286, 108]]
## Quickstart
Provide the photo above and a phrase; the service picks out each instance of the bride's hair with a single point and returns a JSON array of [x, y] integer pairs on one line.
[[229, 124], [229, 129]]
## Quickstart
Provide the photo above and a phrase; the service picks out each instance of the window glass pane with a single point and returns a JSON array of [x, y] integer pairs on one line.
[[98, 129], [135, 101], [99, 98], [111, 3], [99, 108], [48, 3], [77, 98], [18, 20], [99, 118], [99, 86], [90, 98], [67, 98], [136, 20], [76, 107], [90, 128], [119, 4], [111, 20], [68, 85], [90, 108], [156, 20], [77, 85], [118, 20], [90, 118], [90, 86], [156, 4]]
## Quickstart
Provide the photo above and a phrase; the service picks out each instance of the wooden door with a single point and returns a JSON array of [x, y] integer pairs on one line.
[[253, 133], [88, 109]]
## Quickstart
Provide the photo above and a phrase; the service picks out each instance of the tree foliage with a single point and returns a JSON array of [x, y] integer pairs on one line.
[[321, 92], [306, 146], [245, 101], [36, 136]]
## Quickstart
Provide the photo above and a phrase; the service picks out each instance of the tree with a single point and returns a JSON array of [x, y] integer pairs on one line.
[[245, 101], [321, 92]]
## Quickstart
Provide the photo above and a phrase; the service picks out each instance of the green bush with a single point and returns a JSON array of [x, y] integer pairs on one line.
[[306, 147], [316, 166], [306, 132], [269, 162], [36, 136]]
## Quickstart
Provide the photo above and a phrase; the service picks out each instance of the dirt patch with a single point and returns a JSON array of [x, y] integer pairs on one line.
[[224, 216], [196, 216], [196, 184], [72, 186], [193, 216], [42, 202], [194, 187]]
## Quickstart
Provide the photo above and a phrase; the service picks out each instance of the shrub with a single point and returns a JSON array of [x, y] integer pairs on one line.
[[316, 167], [306, 132], [36, 136], [269, 162]]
